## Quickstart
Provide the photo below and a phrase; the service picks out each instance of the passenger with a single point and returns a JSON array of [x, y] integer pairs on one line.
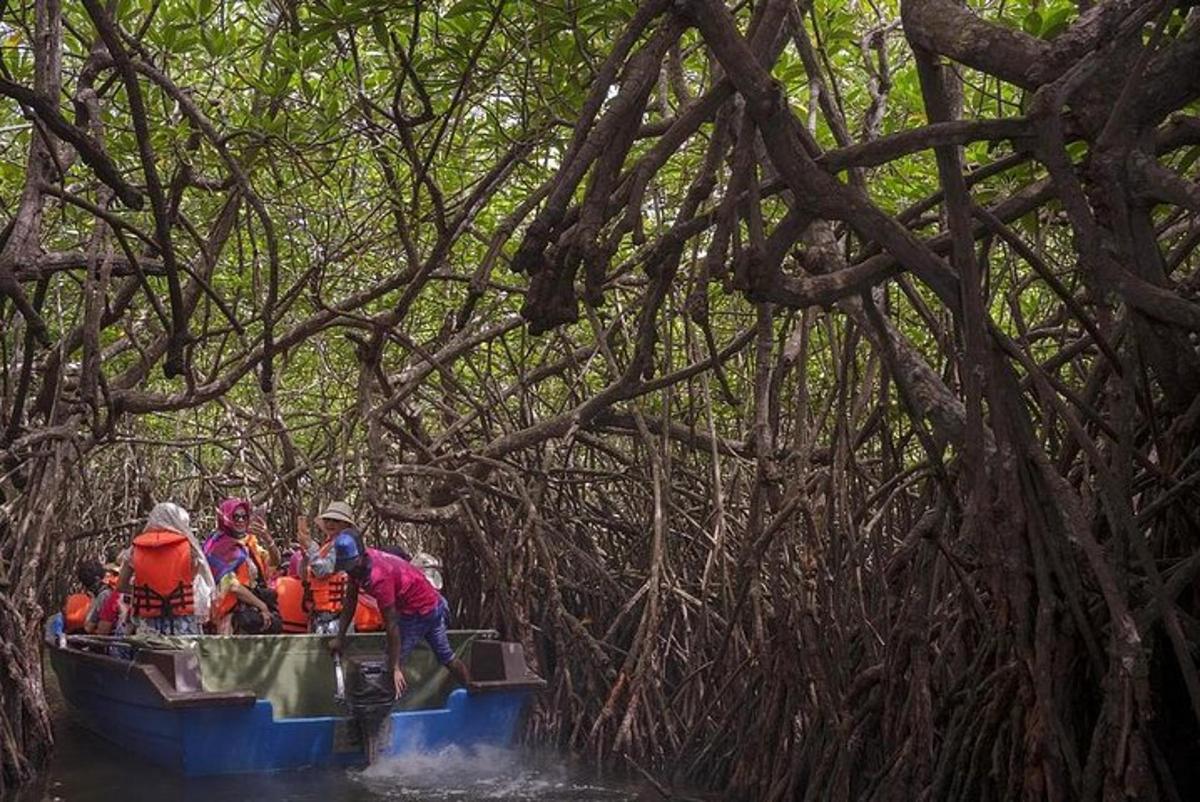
[[325, 587], [430, 566], [237, 566], [289, 561], [76, 606], [161, 575], [295, 564], [412, 609], [103, 595], [54, 628], [111, 616]]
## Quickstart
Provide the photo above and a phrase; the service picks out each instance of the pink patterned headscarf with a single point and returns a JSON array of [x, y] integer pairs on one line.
[[225, 512]]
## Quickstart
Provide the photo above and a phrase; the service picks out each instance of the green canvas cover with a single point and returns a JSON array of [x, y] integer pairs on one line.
[[295, 672]]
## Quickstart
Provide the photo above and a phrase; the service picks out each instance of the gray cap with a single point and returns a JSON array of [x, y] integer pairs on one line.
[[431, 566], [338, 511]]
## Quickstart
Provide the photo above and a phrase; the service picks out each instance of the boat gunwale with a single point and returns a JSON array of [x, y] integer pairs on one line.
[[170, 696], [174, 698]]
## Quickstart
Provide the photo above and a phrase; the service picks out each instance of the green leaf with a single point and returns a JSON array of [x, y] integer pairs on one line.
[[1189, 159], [1057, 21], [380, 29], [464, 8], [311, 55]]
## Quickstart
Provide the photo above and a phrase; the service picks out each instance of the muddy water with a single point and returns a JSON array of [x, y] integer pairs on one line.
[[87, 769]]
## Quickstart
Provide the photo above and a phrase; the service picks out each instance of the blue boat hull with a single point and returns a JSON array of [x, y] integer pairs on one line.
[[228, 734]]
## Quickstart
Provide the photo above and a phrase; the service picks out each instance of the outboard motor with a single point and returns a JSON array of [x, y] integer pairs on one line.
[[365, 688]]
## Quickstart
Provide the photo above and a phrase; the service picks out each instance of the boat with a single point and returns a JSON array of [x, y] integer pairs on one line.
[[262, 703]]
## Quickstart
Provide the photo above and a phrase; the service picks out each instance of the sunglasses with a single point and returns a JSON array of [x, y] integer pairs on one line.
[[241, 516]]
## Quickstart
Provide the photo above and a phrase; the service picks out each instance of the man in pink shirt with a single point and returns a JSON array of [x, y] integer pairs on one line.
[[412, 608]]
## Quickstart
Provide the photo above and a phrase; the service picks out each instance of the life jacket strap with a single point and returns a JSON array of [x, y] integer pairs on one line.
[[149, 603]]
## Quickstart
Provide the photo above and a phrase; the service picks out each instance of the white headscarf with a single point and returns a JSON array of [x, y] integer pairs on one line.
[[171, 517]]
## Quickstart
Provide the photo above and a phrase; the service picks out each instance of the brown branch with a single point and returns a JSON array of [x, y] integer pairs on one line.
[[91, 151]]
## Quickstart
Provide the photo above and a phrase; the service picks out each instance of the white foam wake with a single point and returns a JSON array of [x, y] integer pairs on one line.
[[483, 773]]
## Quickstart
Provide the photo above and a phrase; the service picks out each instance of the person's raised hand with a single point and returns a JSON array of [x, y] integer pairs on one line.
[[258, 528], [302, 535]]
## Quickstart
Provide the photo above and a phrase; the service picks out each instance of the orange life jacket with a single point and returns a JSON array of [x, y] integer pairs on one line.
[[289, 591], [75, 610], [326, 593], [367, 617], [162, 575]]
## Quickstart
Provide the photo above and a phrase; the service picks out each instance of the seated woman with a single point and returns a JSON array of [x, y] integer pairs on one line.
[[161, 572], [324, 586], [237, 565]]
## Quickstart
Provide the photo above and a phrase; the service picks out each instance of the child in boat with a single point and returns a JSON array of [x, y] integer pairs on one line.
[[412, 608], [104, 596], [325, 588], [109, 617], [237, 565], [161, 574]]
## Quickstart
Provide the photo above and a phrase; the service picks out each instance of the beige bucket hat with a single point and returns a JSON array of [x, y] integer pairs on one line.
[[339, 511]]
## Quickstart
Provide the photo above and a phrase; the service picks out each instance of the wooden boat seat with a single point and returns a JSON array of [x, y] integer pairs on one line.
[[500, 666]]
